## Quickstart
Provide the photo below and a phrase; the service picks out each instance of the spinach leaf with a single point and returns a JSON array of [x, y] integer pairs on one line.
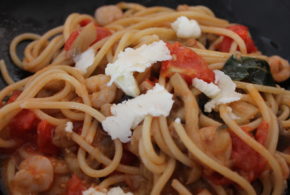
[[249, 70]]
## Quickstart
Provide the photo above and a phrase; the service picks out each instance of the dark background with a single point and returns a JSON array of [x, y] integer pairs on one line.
[[268, 20]]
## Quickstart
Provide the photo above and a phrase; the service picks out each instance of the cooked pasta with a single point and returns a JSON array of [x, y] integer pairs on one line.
[[141, 100]]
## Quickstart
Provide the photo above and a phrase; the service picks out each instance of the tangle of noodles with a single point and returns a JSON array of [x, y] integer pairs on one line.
[[199, 153]]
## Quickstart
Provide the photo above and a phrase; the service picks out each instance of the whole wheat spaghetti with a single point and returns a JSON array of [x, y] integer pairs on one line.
[[52, 123]]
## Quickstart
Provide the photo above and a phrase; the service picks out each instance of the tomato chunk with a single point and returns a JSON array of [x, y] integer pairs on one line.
[[247, 161], [243, 32], [75, 186], [85, 22], [24, 123], [187, 63], [101, 33], [14, 96], [71, 39], [44, 138], [262, 132]]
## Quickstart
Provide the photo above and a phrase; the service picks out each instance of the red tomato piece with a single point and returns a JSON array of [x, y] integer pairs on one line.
[[150, 82], [44, 138], [247, 161], [262, 132], [24, 123], [243, 32], [85, 22], [14, 96], [102, 33], [187, 63], [75, 186], [71, 39]]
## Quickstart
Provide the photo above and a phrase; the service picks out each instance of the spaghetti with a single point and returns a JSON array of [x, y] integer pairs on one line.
[[51, 122]]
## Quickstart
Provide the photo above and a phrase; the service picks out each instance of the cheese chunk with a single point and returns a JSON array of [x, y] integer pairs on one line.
[[222, 93], [118, 191], [135, 60], [69, 127], [112, 191], [84, 60], [209, 89], [93, 191], [128, 114], [186, 28]]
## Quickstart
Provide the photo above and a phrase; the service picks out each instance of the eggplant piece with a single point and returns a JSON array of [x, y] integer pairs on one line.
[[284, 138]]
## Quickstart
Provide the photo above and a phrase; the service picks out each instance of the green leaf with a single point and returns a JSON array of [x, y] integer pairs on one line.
[[249, 70]]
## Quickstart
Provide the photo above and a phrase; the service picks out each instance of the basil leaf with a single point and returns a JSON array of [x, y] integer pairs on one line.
[[249, 70]]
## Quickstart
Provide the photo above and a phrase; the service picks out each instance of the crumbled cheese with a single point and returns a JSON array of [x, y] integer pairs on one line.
[[84, 60], [118, 191], [128, 114], [225, 94], [93, 191], [112, 191], [135, 60], [186, 28], [177, 120], [69, 127], [209, 89]]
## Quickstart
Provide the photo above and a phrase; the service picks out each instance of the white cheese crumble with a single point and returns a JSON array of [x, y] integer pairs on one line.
[[135, 60], [118, 191], [186, 28], [177, 120], [209, 89], [112, 191], [93, 191], [69, 127], [225, 94], [128, 114], [84, 60]]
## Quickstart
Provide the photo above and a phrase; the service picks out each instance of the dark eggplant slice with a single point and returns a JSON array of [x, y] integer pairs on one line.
[[284, 138]]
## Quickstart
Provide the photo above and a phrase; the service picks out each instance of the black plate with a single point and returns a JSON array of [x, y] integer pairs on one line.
[[268, 20]]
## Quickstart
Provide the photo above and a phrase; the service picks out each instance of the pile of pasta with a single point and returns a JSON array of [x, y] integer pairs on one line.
[[201, 153]]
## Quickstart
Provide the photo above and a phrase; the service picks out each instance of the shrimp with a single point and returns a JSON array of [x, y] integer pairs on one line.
[[216, 143], [35, 175], [280, 68], [107, 14], [101, 92]]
